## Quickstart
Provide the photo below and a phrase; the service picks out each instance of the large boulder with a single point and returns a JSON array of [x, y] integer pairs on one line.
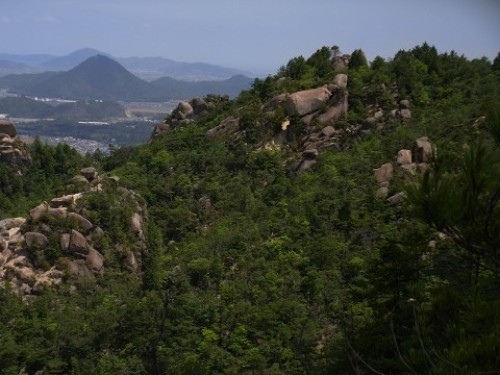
[[78, 244], [95, 260], [302, 103], [35, 239], [184, 110], [199, 106], [7, 127], [39, 211], [333, 113], [89, 173], [82, 222]]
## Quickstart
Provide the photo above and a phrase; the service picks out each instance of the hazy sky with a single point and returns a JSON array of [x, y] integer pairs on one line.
[[256, 35]]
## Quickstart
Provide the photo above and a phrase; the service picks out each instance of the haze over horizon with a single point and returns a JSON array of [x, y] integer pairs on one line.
[[255, 36]]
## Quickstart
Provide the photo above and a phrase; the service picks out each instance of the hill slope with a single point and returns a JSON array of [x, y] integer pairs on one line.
[[307, 227]]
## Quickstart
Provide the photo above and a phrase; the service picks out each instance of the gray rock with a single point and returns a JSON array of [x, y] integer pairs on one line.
[[382, 192], [304, 102], [422, 167], [79, 180], [89, 173], [78, 244], [64, 201], [334, 112], [274, 103], [422, 150], [340, 80], [39, 211], [405, 114], [227, 127], [306, 164], [7, 127], [10, 223], [328, 131], [131, 262], [384, 173], [35, 239], [64, 240], [199, 106], [404, 104], [397, 198], [409, 170], [404, 157], [185, 109], [82, 222], [95, 261], [59, 213]]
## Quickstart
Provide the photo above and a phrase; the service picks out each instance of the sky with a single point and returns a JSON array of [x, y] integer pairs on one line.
[[253, 35]]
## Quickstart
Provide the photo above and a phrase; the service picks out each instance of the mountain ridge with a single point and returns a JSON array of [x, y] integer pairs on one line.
[[100, 77], [148, 68]]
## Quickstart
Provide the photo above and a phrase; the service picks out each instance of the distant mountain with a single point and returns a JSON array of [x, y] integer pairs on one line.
[[70, 61], [100, 77], [151, 68], [148, 68], [182, 89]]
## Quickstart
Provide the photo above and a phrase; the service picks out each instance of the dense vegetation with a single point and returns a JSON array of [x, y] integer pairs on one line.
[[256, 269]]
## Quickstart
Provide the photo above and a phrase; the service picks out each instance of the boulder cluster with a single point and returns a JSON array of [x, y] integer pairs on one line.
[[378, 117], [409, 162], [187, 112], [60, 229], [12, 150]]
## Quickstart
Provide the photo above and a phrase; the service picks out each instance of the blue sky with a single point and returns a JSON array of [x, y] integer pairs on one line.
[[255, 35]]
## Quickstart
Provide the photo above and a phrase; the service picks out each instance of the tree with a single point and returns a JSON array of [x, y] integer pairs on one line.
[[358, 59]]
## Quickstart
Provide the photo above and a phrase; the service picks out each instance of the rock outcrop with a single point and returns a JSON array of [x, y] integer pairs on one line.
[[12, 150], [188, 112], [409, 164], [58, 243]]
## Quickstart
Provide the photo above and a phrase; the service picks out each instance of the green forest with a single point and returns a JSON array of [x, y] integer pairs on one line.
[[252, 265]]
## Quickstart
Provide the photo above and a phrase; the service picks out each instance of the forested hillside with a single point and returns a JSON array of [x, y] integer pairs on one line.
[[306, 227]]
